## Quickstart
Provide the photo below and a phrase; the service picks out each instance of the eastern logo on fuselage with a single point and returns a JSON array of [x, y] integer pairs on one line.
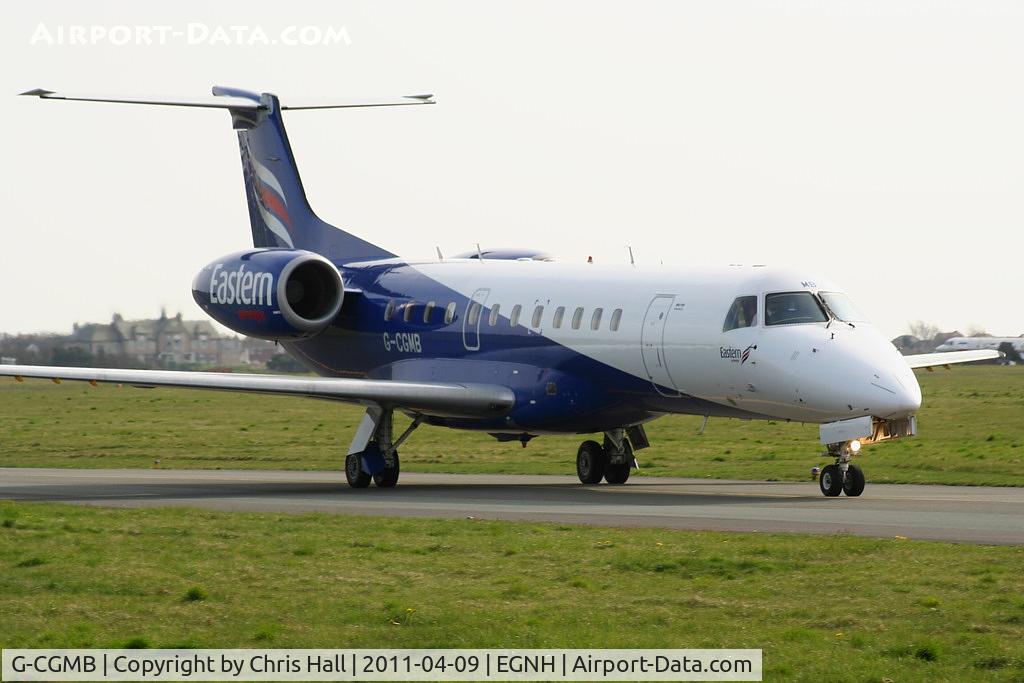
[[736, 355], [241, 286]]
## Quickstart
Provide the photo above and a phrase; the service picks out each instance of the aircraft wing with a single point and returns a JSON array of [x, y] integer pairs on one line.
[[931, 360], [445, 399]]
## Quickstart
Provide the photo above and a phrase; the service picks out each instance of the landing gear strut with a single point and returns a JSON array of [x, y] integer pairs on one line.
[[842, 476], [612, 460], [373, 454]]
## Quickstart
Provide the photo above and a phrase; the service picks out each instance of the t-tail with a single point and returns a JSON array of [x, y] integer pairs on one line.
[[279, 213]]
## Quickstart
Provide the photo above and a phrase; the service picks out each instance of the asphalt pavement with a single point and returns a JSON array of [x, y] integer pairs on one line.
[[970, 514]]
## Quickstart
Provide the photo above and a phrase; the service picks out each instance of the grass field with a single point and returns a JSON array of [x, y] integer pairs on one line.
[[971, 432], [821, 608]]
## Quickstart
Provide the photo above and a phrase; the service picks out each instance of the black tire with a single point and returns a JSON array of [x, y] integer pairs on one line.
[[854, 484], [388, 477], [591, 462], [357, 478], [617, 474], [831, 481]]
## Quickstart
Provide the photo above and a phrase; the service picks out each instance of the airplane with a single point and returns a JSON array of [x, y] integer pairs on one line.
[[970, 343], [516, 344]]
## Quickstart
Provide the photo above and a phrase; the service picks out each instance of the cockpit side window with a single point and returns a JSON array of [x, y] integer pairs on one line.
[[841, 306], [788, 308], [742, 313]]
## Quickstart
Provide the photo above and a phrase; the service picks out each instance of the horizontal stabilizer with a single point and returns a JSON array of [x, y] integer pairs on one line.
[[210, 102], [335, 103], [445, 399], [231, 98], [932, 360]]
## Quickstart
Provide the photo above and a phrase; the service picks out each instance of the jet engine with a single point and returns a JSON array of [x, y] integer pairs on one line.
[[271, 293]]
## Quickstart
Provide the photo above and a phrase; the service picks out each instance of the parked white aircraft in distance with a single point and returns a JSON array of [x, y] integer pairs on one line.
[[511, 343], [974, 343]]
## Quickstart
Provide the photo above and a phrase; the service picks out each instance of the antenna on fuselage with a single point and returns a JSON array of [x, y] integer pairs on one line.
[[632, 261], [479, 253], [440, 256]]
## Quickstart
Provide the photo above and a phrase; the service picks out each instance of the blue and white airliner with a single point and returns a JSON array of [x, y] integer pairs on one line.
[[515, 344]]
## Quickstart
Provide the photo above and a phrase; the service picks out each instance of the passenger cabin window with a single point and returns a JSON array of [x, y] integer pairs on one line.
[[513, 319], [473, 317], [577, 318], [556, 322], [789, 308], [742, 313], [595, 319], [409, 308], [538, 313], [428, 311], [616, 318], [449, 313], [492, 320], [389, 310]]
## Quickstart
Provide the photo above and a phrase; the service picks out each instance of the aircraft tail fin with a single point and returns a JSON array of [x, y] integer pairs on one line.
[[279, 213]]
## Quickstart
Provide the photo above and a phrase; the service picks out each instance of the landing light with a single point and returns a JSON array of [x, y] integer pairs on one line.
[[855, 446]]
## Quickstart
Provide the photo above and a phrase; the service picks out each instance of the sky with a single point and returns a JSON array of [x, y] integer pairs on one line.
[[880, 144]]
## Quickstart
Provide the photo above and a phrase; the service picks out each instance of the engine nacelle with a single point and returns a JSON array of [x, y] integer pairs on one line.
[[271, 293]]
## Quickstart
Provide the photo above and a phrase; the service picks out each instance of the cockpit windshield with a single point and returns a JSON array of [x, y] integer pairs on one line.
[[841, 306], [788, 308]]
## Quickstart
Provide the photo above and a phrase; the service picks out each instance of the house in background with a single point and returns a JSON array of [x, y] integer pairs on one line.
[[161, 341]]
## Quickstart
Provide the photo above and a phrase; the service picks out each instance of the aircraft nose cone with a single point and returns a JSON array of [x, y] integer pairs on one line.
[[913, 395], [902, 394]]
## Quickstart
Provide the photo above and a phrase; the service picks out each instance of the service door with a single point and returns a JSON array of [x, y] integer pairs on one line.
[[472, 319], [652, 344]]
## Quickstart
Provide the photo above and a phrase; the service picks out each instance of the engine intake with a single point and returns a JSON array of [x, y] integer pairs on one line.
[[271, 293]]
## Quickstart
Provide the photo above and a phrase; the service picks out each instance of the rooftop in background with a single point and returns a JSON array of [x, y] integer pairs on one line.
[[159, 341]]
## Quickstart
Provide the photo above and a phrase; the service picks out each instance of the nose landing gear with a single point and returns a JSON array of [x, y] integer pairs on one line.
[[842, 476]]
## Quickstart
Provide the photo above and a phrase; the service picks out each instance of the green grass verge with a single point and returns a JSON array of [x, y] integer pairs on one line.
[[822, 608], [971, 432]]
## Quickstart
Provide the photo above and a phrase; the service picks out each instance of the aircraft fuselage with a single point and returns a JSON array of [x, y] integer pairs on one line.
[[591, 346]]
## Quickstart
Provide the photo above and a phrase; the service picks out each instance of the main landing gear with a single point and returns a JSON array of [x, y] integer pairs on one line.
[[842, 476], [373, 455], [613, 460]]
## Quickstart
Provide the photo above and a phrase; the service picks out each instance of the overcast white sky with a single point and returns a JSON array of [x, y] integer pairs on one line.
[[880, 143]]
